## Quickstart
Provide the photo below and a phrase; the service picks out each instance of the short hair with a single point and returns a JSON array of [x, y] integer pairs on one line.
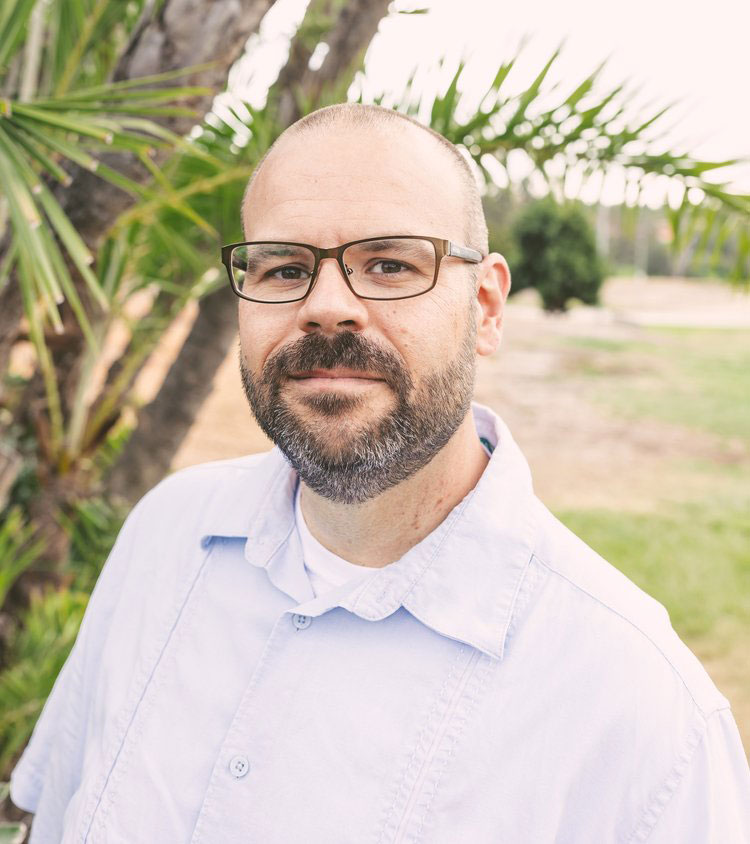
[[370, 116]]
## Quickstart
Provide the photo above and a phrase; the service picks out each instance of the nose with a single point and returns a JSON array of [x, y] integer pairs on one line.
[[331, 307]]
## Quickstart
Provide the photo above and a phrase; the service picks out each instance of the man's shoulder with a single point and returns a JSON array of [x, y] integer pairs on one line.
[[620, 616], [219, 498], [213, 472], [214, 488], [162, 543]]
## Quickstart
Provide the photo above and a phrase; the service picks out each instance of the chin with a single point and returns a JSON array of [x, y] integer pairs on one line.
[[332, 404], [337, 423], [358, 410]]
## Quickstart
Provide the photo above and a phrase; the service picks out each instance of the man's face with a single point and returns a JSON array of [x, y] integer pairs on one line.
[[359, 394]]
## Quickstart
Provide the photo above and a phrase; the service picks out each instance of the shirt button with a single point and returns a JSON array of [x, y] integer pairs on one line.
[[301, 621], [238, 766]]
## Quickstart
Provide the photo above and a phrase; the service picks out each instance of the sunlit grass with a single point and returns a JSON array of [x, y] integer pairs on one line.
[[694, 558]]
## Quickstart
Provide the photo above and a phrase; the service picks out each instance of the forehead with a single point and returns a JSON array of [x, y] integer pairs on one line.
[[329, 185]]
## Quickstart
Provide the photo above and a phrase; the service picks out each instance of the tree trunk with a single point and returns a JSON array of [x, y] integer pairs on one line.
[[11, 311], [164, 423], [355, 25]]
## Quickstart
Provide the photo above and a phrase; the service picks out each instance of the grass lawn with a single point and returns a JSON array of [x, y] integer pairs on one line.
[[694, 558]]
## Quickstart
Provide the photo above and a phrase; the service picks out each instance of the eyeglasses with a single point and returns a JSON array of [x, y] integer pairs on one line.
[[387, 267]]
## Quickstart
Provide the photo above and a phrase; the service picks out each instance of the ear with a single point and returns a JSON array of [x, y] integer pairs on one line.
[[493, 286]]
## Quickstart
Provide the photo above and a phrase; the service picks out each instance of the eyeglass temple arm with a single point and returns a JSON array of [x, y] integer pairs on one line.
[[464, 252]]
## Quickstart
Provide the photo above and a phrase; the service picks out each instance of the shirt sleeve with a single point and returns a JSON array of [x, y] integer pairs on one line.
[[49, 771], [711, 802]]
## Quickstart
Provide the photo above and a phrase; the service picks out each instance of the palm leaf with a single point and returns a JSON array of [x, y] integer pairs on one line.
[[586, 129], [14, 15], [36, 138]]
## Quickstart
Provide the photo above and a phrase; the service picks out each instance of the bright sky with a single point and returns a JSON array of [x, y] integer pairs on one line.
[[673, 50]]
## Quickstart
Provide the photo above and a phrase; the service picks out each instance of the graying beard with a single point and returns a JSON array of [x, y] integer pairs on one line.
[[374, 460]]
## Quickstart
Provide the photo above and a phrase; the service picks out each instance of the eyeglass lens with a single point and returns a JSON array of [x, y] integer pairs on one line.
[[382, 269]]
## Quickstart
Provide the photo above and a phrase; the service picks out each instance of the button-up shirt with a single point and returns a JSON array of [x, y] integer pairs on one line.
[[500, 682]]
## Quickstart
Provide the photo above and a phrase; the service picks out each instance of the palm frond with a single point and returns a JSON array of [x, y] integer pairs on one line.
[[36, 140], [591, 129]]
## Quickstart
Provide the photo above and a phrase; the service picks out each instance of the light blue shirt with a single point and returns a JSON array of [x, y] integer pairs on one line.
[[499, 683]]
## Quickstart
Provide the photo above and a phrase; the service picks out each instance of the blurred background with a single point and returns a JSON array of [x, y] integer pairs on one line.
[[611, 144]]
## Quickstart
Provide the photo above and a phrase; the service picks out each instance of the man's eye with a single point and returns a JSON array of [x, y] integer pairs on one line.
[[289, 273], [387, 267]]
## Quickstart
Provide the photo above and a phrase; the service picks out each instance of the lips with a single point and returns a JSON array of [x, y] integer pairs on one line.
[[336, 373]]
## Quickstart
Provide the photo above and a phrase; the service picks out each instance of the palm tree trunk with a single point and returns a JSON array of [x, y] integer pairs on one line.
[[164, 423], [355, 25], [11, 311]]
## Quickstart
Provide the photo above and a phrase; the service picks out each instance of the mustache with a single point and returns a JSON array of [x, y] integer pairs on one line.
[[347, 349]]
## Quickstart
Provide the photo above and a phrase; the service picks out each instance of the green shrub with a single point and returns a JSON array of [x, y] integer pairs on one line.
[[92, 527], [556, 254], [38, 643], [36, 654], [18, 549]]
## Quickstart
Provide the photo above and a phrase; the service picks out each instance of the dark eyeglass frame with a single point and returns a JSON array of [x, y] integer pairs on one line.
[[443, 249]]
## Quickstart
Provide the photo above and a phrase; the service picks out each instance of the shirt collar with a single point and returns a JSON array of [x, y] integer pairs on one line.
[[461, 580]]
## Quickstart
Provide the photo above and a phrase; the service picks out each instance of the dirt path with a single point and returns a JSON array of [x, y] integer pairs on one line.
[[580, 456]]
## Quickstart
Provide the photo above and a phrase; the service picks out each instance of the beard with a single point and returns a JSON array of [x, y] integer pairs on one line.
[[349, 462]]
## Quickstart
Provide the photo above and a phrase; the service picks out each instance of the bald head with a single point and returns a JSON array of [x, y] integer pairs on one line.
[[353, 117]]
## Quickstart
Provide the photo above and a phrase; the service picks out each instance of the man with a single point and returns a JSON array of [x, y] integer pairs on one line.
[[374, 633]]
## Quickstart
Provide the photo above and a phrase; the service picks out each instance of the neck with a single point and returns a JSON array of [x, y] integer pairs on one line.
[[382, 530]]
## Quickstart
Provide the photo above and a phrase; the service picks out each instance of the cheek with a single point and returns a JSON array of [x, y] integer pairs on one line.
[[262, 334], [401, 325], [443, 324], [424, 333]]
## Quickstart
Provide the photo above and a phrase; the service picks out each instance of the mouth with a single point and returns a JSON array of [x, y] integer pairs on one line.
[[335, 375], [340, 380]]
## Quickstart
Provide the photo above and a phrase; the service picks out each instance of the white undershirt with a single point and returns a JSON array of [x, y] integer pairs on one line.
[[326, 569]]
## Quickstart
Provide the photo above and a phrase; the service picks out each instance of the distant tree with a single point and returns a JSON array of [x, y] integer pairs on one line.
[[555, 250]]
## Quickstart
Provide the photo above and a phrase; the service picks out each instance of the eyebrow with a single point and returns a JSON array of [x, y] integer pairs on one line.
[[259, 254], [277, 251], [403, 245]]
